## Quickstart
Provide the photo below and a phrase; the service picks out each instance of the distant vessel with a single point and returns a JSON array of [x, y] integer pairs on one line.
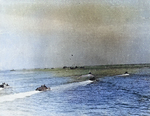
[[42, 88], [3, 85]]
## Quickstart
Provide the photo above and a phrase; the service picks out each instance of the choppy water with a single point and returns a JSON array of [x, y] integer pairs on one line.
[[109, 96]]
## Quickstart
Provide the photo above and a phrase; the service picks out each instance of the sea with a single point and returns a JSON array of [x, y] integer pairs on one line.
[[116, 95]]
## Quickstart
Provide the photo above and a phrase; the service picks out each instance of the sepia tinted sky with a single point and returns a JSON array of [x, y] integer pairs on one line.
[[45, 34]]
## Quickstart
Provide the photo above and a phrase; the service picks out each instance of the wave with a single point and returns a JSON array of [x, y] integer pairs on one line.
[[12, 97], [71, 85], [1, 88]]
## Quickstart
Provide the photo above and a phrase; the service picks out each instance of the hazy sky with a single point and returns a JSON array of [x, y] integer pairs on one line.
[[48, 33]]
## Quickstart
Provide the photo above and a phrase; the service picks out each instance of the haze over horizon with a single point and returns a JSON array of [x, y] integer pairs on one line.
[[45, 34]]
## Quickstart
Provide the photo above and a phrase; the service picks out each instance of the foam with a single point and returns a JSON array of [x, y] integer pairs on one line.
[[71, 85], [12, 97]]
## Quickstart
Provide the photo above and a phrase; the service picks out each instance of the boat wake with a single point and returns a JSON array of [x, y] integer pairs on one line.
[[123, 75], [71, 85], [12, 97]]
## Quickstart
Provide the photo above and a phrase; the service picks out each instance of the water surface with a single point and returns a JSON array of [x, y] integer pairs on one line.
[[108, 96]]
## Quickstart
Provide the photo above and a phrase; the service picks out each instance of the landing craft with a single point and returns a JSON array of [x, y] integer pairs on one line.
[[3, 85], [42, 88]]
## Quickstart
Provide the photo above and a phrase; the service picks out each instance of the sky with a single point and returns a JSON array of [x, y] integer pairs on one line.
[[48, 33]]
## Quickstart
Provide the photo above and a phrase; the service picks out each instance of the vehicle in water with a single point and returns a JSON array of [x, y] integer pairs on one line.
[[42, 88], [3, 85]]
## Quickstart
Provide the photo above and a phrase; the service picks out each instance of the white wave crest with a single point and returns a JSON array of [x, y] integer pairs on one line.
[[12, 97], [71, 85]]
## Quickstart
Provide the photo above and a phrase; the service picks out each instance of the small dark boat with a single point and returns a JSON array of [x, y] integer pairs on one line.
[[3, 85], [42, 88]]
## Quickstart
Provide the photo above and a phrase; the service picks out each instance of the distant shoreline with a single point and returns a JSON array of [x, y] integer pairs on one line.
[[97, 70]]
